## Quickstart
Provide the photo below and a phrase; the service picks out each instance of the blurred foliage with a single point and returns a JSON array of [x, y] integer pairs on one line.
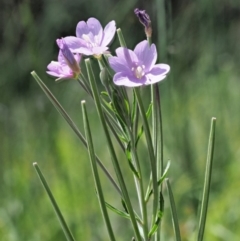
[[204, 53]]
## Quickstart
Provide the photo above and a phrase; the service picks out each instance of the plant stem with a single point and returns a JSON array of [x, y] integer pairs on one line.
[[151, 154], [70, 122], [95, 172], [111, 150]]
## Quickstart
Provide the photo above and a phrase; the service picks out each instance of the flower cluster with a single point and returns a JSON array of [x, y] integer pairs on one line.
[[132, 68]]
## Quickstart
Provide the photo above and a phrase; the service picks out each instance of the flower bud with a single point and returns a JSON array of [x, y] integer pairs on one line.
[[104, 77], [144, 19], [69, 57]]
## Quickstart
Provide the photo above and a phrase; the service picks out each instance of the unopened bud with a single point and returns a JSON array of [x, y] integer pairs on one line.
[[144, 19], [69, 56], [104, 77]]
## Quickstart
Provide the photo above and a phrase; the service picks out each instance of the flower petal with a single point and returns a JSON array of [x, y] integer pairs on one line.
[[127, 57], [118, 65], [78, 57], [152, 79], [84, 50], [54, 66], [82, 28], [61, 59], [74, 43], [108, 34], [123, 79], [146, 54], [99, 50], [160, 69], [92, 29], [157, 73], [96, 29]]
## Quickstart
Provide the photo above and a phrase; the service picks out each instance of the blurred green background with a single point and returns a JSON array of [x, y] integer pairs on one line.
[[203, 50]]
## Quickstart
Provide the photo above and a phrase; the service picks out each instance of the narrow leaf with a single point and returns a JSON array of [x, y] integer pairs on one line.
[[160, 181], [122, 213], [174, 212], [64, 226], [207, 181], [129, 157], [156, 224]]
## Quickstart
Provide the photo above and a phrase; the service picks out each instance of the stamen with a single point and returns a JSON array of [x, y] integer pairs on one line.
[[86, 38], [139, 73]]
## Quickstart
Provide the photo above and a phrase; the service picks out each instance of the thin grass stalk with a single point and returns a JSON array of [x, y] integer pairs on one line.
[[95, 172], [207, 181], [111, 150], [61, 219]]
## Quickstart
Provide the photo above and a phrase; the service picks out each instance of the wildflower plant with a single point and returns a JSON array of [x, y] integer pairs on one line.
[[123, 117]]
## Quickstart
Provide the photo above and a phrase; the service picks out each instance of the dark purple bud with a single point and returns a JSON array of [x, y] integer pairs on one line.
[[68, 56], [143, 17]]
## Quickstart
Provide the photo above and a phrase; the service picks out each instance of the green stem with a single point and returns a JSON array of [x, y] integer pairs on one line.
[[111, 149], [139, 187], [83, 82], [121, 38], [151, 154], [95, 172], [207, 181]]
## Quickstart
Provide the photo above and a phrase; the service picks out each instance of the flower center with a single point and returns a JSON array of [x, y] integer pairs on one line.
[[89, 42], [139, 71]]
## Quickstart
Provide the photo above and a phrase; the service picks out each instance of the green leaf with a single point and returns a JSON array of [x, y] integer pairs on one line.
[[117, 211], [149, 110], [105, 93], [140, 132], [156, 224], [129, 158], [124, 138], [160, 181], [122, 213]]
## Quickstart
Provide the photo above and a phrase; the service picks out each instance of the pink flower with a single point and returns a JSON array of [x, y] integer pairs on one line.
[[67, 66], [136, 68], [91, 38]]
